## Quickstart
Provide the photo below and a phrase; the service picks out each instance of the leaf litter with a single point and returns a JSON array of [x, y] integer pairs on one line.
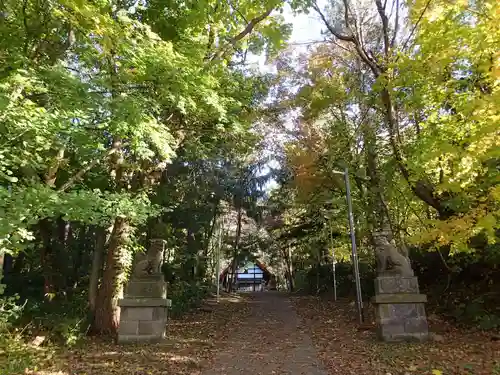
[[346, 348], [195, 339], [192, 342]]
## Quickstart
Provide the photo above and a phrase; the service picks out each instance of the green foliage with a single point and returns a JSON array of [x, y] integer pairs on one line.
[[10, 312], [186, 296], [61, 320], [415, 119], [310, 282], [16, 356], [123, 121], [22, 207]]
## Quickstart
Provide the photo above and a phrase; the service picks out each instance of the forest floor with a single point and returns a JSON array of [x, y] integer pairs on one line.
[[272, 334], [346, 349], [192, 343]]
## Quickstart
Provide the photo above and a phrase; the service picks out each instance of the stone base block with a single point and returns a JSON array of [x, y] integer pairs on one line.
[[395, 329], [142, 320], [400, 309], [141, 328]]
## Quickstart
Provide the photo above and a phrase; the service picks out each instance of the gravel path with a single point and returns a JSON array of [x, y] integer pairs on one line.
[[268, 342]]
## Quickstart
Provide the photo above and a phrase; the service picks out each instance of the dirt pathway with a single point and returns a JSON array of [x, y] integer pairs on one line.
[[268, 342]]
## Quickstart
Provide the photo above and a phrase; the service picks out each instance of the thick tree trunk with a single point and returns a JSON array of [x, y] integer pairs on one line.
[[201, 258], [107, 312]]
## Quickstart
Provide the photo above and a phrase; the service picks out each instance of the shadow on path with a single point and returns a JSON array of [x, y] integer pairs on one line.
[[268, 342]]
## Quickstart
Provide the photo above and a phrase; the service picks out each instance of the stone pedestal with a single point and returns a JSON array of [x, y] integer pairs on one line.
[[143, 315], [400, 309]]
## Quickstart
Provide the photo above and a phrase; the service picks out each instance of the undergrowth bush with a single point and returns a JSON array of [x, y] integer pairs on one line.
[[61, 320], [10, 311], [15, 355], [186, 296], [465, 289], [320, 280]]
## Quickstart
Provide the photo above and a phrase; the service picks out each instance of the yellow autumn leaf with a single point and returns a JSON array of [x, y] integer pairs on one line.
[[437, 372]]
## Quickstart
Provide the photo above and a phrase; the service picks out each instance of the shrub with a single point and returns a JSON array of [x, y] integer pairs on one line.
[[10, 312], [312, 282], [62, 320], [186, 296]]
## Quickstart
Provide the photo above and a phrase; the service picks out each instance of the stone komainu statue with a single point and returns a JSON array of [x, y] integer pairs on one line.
[[149, 263], [389, 260]]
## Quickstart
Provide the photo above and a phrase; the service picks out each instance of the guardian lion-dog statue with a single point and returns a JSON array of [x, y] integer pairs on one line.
[[389, 260]]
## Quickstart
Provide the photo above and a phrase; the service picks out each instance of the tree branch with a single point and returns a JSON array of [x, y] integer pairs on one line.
[[237, 11], [416, 25], [396, 25], [337, 34], [26, 27], [250, 26], [247, 30], [374, 67], [421, 188], [78, 175], [50, 177], [385, 26]]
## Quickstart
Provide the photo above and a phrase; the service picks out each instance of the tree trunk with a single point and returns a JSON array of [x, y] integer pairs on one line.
[[46, 257], [375, 213], [97, 265], [62, 262], [287, 256], [77, 232], [211, 230], [19, 263], [422, 188], [193, 254], [233, 275], [8, 263], [318, 273], [2, 257], [236, 248], [107, 312]]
